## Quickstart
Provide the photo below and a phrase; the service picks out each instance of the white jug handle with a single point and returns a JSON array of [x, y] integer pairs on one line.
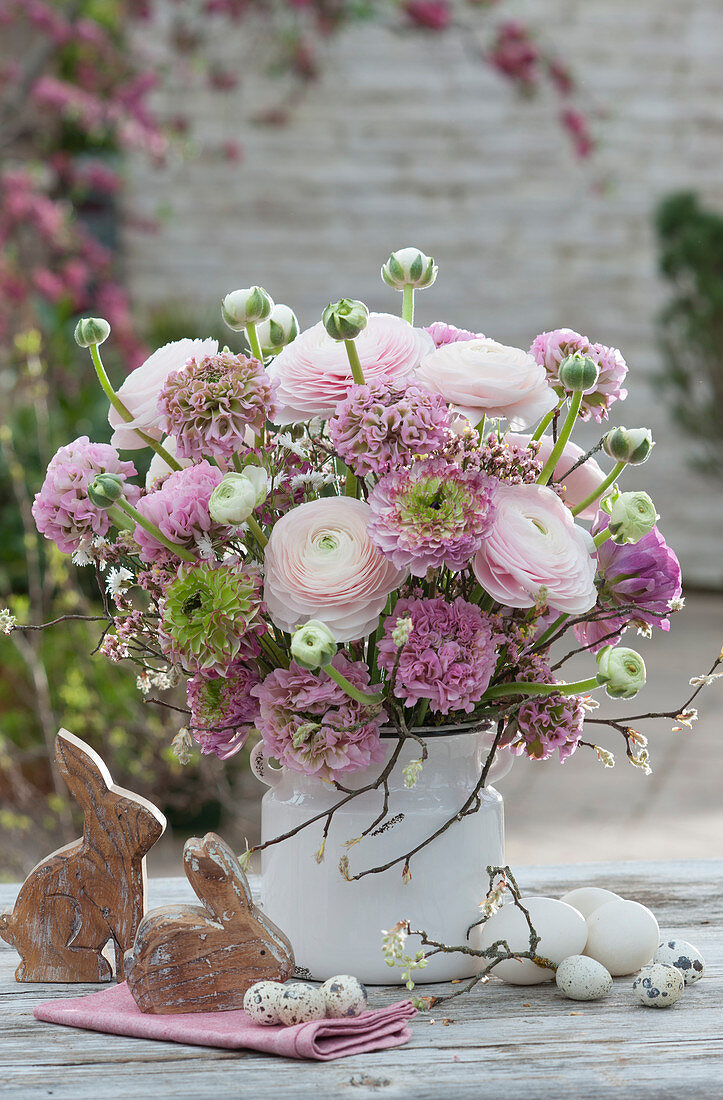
[[261, 767], [501, 764]]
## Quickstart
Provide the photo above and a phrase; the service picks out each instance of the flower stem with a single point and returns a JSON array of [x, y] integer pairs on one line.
[[356, 368], [351, 483], [150, 527], [120, 519], [547, 419], [550, 631], [601, 489], [254, 341], [601, 537], [125, 413], [565, 433], [351, 691], [526, 688], [256, 531], [408, 303]]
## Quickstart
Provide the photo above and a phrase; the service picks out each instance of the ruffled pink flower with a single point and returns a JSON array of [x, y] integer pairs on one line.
[[180, 509], [320, 563], [442, 333], [484, 378], [550, 348], [140, 390], [535, 552], [449, 657], [223, 710], [576, 486], [545, 723], [61, 510], [311, 725], [313, 371]]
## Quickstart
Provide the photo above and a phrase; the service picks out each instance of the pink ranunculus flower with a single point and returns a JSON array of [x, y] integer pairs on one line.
[[321, 564], [483, 378], [313, 371], [536, 551], [140, 390], [585, 479]]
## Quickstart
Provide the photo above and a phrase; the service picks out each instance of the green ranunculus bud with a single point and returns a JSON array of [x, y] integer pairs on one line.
[[409, 267], [278, 330], [91, 330], [105, 490], [578, 373], [621, 670], [313, 644], [631, 445], [345, 319], [632, 515], [246, 307], [237, 494]]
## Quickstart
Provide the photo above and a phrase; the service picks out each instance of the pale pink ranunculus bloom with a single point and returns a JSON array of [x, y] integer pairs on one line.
[[140, 390], [314, 374], [483, 378], [585, 480], [535, 550], [320, 563]]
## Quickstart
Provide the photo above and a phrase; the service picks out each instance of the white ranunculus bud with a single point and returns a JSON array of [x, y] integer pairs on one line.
[[246, 307], [409, 267], [235, 497], [278, 330]]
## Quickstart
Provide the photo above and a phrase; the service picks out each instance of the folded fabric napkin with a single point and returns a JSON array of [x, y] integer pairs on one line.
[[113, 1010]]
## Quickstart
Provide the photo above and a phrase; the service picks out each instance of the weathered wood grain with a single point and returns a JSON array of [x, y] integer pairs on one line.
[[91, 892], [203, 958], [510, 1043]]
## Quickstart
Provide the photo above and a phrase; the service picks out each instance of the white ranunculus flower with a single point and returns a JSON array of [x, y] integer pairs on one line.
[[237, 494], [483, 378]]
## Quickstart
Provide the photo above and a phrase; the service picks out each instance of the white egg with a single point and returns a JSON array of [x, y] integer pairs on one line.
[[586, 899], [344, 995], [261, 1002], [583, 979], [659, 985], [299, 1003], [684, 957], [562, 930], [622, 935]]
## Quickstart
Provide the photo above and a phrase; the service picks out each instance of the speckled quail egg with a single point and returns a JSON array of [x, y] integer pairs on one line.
[[344, 995], [684, 957], [659, 985], [583, 979], [261, 1002], [300, 1003]]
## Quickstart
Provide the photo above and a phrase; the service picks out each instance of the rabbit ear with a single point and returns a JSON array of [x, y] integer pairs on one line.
[[82, 769], [215, 874]]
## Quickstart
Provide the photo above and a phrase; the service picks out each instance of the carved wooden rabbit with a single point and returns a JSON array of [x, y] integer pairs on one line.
[[92, 892], [192, 958]]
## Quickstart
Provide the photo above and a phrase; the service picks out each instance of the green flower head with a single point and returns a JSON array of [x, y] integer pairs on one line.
[[621, 670]]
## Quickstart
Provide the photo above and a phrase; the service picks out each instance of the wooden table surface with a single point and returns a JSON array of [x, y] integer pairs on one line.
[[501, 1041]]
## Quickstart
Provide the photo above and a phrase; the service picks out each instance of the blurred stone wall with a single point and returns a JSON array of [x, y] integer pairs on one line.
[[411, 140]]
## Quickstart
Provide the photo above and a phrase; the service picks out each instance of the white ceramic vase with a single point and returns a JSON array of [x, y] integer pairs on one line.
[[334, 925]]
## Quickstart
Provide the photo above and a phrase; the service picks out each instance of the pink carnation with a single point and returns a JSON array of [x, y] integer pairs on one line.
[[550, 348], [223, 711], [311, 725], [442, 333], [180, 509], [586, 479], [449, 657], [314, 374], [545, 723], [62, 510]]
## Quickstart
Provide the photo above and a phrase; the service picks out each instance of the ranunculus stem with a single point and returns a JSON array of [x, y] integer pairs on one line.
[[125, 413], [601, 537], [254, 341], [354, 361], [256, 531], [120, 519], [351, 483], [351, 691], [408, 303], [602, 488], [526, 688], [150, 527], [565, 433], [547, 419]]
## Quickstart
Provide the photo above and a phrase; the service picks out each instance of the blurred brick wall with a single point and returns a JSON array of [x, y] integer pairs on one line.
[[413, 141]]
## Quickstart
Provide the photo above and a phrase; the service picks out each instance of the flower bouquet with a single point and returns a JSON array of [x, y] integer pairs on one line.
[[361, 542]]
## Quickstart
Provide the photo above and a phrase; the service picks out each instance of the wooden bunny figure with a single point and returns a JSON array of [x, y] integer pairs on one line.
[[192, 958], [92, 892]]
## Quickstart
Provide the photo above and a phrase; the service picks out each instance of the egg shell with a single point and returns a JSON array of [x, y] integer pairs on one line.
[[622, 935], [659, 985], [586, 899], [261, 1002], [684, 957], [299, 1003], [344, 995], [583, 979], [562, 930]]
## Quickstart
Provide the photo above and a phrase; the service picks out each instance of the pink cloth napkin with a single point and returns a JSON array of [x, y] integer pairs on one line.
[[113, 1010]]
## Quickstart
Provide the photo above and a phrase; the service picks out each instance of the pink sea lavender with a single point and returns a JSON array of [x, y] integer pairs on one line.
[[310, 724], [62, 510], [640, 579], [545, 723], [208, 404], [223, 711], [430, 515], [449, 656], [550, 348], [383, 426], [180, 510], [442, 333]]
